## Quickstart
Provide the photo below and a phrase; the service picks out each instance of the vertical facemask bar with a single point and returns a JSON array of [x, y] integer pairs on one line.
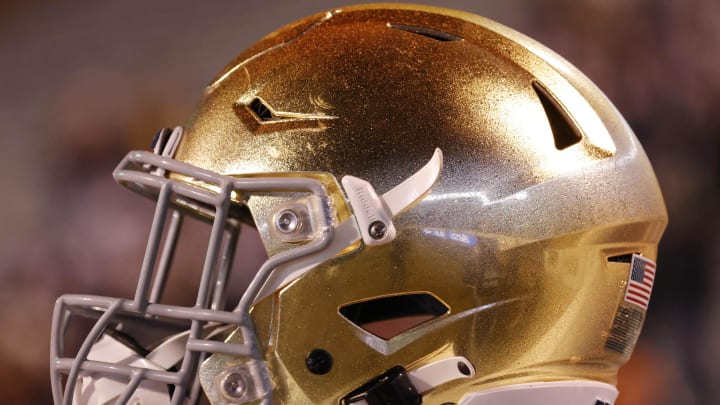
[[168, 252], [57, 348], [82, 354], [141, 297], [60, 320], [196, 389], [226, 262], [222, 207]]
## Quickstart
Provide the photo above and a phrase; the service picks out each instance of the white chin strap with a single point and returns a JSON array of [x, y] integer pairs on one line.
[[546, 393]]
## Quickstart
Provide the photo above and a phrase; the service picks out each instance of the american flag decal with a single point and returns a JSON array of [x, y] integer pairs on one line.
[[640, 283]]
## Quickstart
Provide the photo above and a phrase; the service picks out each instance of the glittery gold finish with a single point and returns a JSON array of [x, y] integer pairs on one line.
[[515, 237]]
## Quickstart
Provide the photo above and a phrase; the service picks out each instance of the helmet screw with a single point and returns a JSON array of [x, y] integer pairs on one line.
[[235, 384], [463, 368], [287, 221], [319, 362], [377, 230]]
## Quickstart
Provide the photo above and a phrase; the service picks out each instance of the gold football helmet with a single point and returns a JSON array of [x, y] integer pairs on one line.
[[452, 213]]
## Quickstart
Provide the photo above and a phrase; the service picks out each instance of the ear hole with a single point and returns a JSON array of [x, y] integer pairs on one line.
[[565, 132], [387, 317]]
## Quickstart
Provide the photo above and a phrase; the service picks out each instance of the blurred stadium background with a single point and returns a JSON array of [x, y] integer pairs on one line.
[[83, 82]]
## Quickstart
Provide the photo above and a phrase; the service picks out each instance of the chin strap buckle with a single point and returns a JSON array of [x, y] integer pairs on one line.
[[392, 387], [400, 387]]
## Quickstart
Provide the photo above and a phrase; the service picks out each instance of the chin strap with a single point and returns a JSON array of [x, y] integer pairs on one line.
[[574, 392]]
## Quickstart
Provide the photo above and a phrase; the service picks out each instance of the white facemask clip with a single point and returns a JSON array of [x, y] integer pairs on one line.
[[374, 213]]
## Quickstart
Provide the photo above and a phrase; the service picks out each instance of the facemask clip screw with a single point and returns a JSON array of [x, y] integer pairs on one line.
[[287, 221], [377, 230], [235, 384]]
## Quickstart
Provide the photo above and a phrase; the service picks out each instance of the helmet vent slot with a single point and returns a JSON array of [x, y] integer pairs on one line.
[[427, 32], [626, 258], [564, 130], [387, 317], [261, 110], [259, 116]]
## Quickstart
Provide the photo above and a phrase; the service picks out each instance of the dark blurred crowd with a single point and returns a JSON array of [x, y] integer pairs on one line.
[[84, 82]]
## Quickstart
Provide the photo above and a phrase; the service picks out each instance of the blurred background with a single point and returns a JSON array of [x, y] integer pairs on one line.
[[83, 82]]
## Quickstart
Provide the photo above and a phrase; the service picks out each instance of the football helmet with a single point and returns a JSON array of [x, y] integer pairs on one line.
[[452, 214]]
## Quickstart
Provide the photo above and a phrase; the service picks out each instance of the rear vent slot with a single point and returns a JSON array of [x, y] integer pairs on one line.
[[626, 258], [261, 110], [388, 317], [427, 32], [564, 130]]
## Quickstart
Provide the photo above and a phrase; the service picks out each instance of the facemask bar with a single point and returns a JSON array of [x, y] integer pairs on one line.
[[136, 172]]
